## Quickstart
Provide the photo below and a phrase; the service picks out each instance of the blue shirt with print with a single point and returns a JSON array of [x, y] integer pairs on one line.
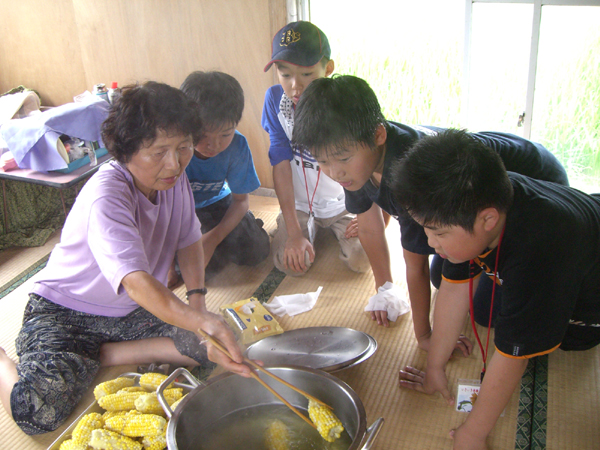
[[231, 171]]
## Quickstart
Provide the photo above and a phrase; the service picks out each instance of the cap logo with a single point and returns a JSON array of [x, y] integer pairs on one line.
[[289, 37]]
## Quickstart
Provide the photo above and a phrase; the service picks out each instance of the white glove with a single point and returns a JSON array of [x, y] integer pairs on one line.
[[391, 299], [293, 304]]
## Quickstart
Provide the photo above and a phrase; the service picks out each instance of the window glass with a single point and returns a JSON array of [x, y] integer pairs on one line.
[[410, 53], [566, 110]]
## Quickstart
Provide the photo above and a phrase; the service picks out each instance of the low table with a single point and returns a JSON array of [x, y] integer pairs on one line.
[[57, 180]]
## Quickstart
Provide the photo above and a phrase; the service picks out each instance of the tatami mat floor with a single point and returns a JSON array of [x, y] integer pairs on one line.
[[567, 402]]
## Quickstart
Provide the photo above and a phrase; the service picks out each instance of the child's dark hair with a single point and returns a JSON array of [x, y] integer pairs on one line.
[[447, 179], [140, 111], [333, 112], [219, 98]]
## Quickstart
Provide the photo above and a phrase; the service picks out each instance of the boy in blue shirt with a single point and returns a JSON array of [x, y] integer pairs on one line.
[[222, 174], [539, 240], [308, 198]]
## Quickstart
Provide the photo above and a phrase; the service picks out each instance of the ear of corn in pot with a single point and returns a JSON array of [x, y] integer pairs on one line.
[[277, 436], [328, 425]]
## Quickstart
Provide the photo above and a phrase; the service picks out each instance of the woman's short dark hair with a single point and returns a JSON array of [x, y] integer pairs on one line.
[[447, 179], [219, 98], [143, 109], [333, 112]]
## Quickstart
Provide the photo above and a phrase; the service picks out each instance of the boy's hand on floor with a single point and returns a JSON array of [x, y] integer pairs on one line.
[[465, 441], [463, 346], [428, 383], [380, 317]]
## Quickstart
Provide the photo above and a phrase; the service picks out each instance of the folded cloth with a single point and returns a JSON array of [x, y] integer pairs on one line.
[[33, 140], [389, 298], [293, 304]]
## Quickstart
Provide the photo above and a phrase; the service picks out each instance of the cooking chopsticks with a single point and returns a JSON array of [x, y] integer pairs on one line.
[[221, 347]]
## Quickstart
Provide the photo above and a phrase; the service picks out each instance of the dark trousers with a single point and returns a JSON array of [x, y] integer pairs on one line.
[[247, 245]]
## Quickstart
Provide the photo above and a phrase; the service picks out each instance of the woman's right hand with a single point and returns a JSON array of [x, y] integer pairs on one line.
[[216, 326]]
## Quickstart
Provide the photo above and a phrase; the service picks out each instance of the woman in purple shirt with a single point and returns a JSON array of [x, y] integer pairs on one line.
[[102, 299]]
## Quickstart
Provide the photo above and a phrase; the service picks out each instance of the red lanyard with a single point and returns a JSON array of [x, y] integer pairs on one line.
[[310, 200], [484, 354]]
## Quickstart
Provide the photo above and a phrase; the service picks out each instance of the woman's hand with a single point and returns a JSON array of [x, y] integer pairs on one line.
[[216, 326]]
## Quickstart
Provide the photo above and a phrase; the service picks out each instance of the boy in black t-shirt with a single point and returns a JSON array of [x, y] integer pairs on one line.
[[340, 122], [539, 240]]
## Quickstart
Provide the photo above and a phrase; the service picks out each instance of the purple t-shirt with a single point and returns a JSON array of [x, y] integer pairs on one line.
[[111, 231]]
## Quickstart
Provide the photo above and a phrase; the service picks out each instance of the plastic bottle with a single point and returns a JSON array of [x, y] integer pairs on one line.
[[113, 92], [101, 91]]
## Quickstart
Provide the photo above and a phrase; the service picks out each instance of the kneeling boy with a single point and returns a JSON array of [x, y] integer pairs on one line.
[[539, 240], [222, 174]]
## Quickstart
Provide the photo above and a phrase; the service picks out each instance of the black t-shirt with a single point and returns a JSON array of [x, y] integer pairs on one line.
[[519, 155], [549, 266]]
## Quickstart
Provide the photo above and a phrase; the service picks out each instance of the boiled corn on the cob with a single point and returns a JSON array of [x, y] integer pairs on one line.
[[132, 389], [112, 386], [137, 425], [82, 433], [148, 403], [174, 405], [152, 380], [70, 444], [109, 440], [121, 401], [155, 442], [328, 425], [109, 414], [277, 436]]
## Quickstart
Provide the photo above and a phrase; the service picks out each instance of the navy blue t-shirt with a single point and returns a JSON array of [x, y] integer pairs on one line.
[[519, 155], [548, 267]]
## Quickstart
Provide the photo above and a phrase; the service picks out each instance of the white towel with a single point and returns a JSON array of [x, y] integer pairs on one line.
[[293, 304], [391, 299]]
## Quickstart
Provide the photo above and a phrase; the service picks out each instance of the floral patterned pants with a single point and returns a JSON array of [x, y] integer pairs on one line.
[[58, 351]]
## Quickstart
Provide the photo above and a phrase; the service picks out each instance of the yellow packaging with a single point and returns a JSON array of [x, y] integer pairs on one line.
[[250, 320]]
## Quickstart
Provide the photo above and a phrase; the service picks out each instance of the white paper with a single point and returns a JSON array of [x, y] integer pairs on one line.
[[293, 304]]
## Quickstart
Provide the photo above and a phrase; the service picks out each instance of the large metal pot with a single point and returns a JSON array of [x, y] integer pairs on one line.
[[206, 403]]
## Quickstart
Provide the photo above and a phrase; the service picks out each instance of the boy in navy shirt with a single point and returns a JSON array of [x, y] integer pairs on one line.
[[222, 174], [539, 240], [340, 121]]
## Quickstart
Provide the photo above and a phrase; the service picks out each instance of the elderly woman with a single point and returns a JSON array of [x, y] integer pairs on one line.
[[102, 298]]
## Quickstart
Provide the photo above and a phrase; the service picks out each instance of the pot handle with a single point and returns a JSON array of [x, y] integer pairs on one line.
[[171, 378], [372, 433]]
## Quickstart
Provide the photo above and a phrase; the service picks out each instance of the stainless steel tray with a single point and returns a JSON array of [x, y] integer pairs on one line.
[[326, 348], [95, 407]]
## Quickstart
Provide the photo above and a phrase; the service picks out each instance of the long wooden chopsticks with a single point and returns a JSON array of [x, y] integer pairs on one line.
[[221, 347]]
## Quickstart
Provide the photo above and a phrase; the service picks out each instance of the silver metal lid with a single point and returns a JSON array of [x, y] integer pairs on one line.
[[326, 348]]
